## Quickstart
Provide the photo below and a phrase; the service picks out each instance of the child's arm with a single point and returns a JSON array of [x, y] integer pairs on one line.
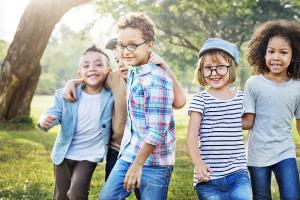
[[46, 121], [179, 97], [298, 125], [70, 89], [134, 173], [202, 170], [53, 115], [248, 121]]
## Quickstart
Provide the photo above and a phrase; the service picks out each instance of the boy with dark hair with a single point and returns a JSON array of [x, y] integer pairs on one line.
[[85, 131]]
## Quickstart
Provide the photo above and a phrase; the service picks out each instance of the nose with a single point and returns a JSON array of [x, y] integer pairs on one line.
[[276, 56], [125, 51], [214, 71], [91, 68]]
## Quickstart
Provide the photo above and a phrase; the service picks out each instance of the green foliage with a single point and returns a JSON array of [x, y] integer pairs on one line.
[[183, 25], [61, 59]]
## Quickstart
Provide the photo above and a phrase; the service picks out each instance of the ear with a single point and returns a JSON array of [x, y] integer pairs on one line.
[[150, 45]]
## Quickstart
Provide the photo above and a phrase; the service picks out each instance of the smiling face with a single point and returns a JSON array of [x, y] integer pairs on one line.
[[278, 56], [216, 80], [93, 70], [129, 37]]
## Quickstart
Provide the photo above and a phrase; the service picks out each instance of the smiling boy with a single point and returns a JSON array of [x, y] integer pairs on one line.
[[147, 152], [85, 131]]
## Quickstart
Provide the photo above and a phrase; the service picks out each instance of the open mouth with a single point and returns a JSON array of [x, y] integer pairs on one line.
[[215, 79], [93, 75], [275, 65]]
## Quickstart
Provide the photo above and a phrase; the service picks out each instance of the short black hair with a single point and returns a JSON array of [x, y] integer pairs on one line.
[[289, 30], [94, 48], [111, 44]]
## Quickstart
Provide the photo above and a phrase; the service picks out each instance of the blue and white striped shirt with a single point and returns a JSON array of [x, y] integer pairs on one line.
[[220, 137]]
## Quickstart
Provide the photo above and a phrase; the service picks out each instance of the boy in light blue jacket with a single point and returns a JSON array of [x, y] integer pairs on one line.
[[85, 128]]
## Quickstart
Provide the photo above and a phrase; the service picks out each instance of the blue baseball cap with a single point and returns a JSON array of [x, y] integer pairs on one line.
[[219, 44]]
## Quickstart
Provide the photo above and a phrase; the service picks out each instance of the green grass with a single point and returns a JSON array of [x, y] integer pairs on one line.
[[26, 171]]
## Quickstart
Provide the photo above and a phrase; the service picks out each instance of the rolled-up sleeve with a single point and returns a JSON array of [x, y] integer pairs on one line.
[[158, 107]]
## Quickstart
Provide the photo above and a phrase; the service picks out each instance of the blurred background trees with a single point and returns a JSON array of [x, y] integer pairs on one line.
[[182, 26], [20, 69]]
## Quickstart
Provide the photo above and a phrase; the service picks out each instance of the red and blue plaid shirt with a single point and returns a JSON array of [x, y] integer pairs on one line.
[[150, 116]]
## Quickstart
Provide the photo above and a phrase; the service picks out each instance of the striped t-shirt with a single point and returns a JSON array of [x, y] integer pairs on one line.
[[220, 137]]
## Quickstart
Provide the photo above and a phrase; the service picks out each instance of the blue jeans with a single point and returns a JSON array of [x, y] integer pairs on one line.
[[112, 157], [154, 182], [235, 186], [287, 177]]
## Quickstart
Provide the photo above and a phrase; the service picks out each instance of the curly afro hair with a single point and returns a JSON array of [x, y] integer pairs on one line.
[[138, 21], [289, 30]]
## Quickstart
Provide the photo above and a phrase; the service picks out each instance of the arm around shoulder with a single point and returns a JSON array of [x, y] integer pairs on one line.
[[298, 125]]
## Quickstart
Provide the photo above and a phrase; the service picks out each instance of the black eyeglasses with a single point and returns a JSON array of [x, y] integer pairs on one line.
[[129, 47], [221, 70]]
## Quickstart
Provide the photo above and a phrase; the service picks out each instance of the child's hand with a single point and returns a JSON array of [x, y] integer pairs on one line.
[[46, 121], [156, 59], [203, 172], [70, 90], [133, 177]]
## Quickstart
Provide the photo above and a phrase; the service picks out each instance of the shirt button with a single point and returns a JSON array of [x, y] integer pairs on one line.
[[103, 126]]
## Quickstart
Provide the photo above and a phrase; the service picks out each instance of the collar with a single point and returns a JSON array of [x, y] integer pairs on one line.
[[142, 69]]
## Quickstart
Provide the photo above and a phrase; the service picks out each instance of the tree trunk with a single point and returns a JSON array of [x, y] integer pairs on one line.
[[21, 68]]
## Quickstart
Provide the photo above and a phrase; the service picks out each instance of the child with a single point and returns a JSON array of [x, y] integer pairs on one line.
[[147, 153], [85, 131], [215, 138], [273, 99]]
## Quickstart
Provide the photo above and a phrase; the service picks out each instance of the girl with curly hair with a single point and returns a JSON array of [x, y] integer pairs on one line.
[[272, 100]]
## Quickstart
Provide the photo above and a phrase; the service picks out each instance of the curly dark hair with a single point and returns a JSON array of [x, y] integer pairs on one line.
[[289, 30], [138, 21]]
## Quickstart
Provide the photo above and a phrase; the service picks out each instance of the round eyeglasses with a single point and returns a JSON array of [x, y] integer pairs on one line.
[[220, 70], [129, 47]]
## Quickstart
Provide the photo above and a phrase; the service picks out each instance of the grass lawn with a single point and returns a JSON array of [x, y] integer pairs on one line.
[[26, 171]]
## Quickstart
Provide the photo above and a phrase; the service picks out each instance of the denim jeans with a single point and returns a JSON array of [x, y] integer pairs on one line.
[[287, 177], [154, 182], [235, 186], [112, 157]]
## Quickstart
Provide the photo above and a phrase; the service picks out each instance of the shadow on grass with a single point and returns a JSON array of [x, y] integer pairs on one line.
[[24, 140]]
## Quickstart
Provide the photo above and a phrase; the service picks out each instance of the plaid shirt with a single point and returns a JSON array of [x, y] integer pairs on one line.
[[150, 116]]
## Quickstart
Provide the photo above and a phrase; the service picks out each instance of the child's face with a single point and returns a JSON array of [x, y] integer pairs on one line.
[[215, 71], [93, 69], [133, 39], [278, 55]]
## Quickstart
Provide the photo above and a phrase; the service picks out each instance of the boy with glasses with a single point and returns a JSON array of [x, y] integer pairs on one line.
[[147, 153]]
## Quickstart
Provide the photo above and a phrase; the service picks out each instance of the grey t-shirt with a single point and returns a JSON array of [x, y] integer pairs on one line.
[[274, 105]]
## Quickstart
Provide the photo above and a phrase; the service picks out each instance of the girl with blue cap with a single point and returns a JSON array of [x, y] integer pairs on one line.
[[215, 138]]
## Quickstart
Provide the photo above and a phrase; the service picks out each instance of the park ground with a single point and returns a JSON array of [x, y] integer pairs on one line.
[[26, 171]]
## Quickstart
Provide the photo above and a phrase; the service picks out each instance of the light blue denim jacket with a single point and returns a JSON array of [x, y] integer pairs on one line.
[[67, 117]]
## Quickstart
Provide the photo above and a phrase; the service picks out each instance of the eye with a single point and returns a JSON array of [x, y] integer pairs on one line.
[[120, 46], [85, 66], [269, 51], [284, 52], [207, 68], [221, 67], [131, 46]]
